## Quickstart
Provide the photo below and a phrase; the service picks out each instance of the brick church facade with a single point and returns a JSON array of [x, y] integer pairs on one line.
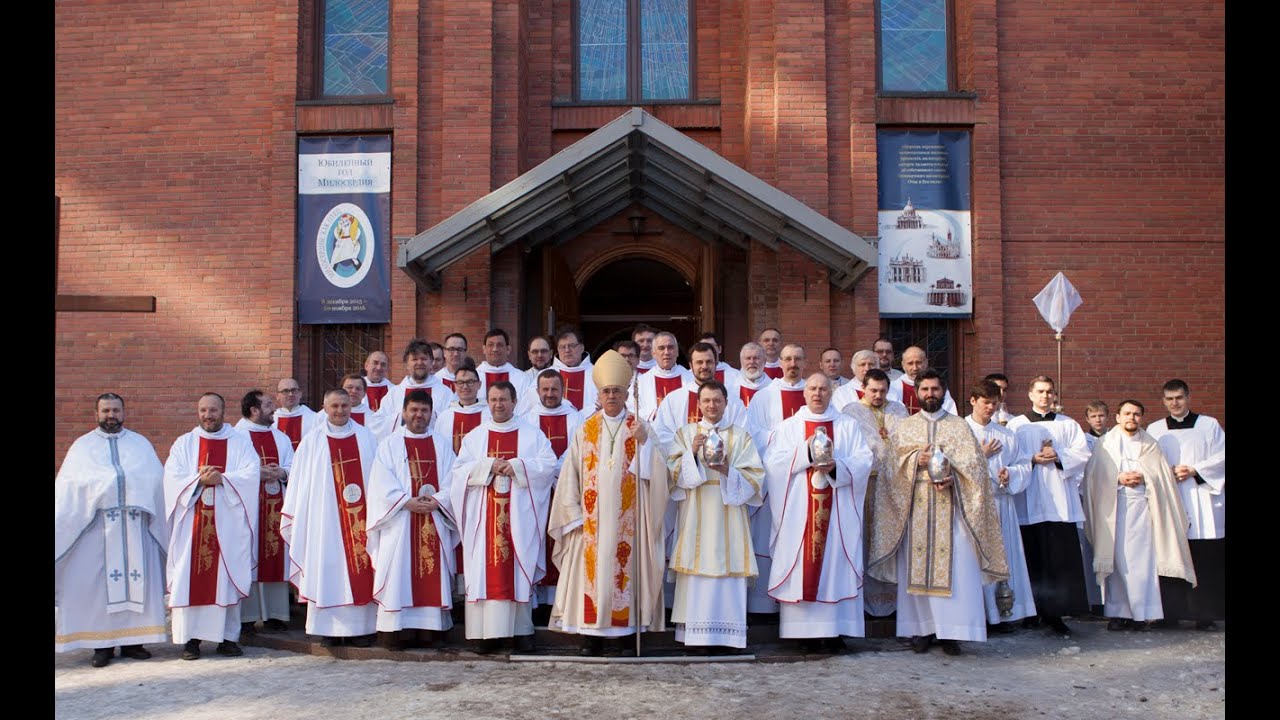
[[742, 196]]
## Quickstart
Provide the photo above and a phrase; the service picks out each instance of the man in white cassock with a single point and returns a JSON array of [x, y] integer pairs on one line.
[[575, 367], [325, 521], [606, 520], [771, 341], [110, 537], [726, 374], [851, 392], [1135, 521], [903, 389], [1196, 448], [829, 361], [816, 469], [666, 377], [937, 531], [467, 410], [379, 423], [268, 599], [455, 356], [642, 335], [292, 417], [418, 363], [497, 366], [1009, 473], [411, 540], [1051, 506], [712, 557], [211, 486], [540, 358], [751, 377], [375, 379], [778, 401], [883, 348], [498, 497], [558, 421], [877, 417]]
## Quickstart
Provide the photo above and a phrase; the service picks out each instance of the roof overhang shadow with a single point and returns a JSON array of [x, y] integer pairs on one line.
[[637, 158]]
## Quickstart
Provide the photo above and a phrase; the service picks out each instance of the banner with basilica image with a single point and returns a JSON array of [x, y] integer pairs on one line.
[[926, 244], [344, 229]]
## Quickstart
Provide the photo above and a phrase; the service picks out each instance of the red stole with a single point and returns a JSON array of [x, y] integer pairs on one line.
[[348, 485], [448, 383], [425, 552], [556, 428], [773, 372], [270, 547], [909, 399], [358, 417], [203, 589], [500, 557], [662, 386], [463, 423], [642, 370], [694, 412], [573, 386], [290, 425], [859, 393], [720, 376], [816, 522], [494, 377], [373, 394], [745, 394], [792, 401]]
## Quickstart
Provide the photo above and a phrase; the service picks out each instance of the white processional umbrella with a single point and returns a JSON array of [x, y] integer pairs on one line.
[[1056, 302]]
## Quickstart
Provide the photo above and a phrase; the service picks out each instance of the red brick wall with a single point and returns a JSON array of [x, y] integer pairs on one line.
[[175, 164], [1111, 146]]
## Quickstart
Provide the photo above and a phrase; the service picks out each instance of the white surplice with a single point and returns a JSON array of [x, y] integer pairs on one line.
[[268, 600]]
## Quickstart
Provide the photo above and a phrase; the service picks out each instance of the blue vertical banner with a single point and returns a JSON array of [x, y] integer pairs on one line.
[[925, 224], [344, 224]]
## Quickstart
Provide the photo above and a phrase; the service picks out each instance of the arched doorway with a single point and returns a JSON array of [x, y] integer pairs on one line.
[[632, 290]]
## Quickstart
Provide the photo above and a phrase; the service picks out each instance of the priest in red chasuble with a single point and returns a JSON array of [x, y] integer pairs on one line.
[[411, 540], [498, 496], [606, 520], [558, 420], [211, 496], [324, 520], [816, 469]]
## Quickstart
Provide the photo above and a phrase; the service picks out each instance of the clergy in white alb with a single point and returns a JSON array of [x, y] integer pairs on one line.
[[497, 367], [558, 421], [751, 377], [816, 502], [418, 363], [377, 385], [883, 349], [498, 499], [877, 417], [1009, 473], [606, 520], [1196, 448], [771, 341], [540, 358], [575, 367], [642, 335], [937, 536], [903, 389], [110, 536], [291, 417], [1051, 506], [325, 521], [465, 413], [666, 377], [1135, 521], [455, 356], [211, 486], [712, 558], [851, 392], [379, 423], [411, 540], [269, 596]]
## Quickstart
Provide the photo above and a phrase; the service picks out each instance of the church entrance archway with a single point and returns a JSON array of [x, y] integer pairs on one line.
[[632, 290]]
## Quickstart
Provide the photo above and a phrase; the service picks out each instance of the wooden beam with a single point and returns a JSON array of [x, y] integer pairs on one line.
[[105, 303]]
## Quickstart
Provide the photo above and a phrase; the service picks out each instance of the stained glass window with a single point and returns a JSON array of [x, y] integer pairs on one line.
[[355, 47], [913, 45], [609, 68]]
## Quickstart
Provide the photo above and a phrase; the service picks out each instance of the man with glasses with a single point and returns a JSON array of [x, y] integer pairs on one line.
[[455, 354], [574, 366], [466, 412], [540, 358], [292, 417], [417, 361]]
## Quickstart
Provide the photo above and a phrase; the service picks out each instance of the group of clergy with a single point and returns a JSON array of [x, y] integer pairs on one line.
[[620, 490]]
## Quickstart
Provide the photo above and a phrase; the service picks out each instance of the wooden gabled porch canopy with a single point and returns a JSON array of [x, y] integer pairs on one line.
[[637, 158]]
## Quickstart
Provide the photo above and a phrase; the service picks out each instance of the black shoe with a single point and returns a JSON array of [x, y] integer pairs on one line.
[[950, 647], [1206, 625], [102, 656], [362, 641], [920, 643], [1115, 624], [135, 652], [1058, 627], [835, 645], [229, 648], [248, 629], [483, 647], [330, 641], [1030, 623], [523, 644], [591, 646], [1003, 628], [1164, 624], [274, 625], [191, 651], [1140, 626]]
